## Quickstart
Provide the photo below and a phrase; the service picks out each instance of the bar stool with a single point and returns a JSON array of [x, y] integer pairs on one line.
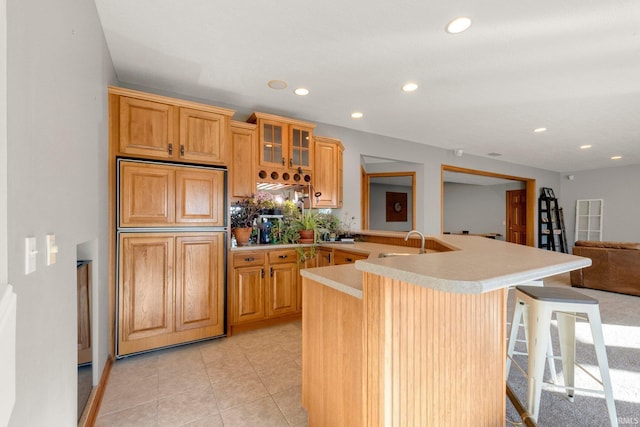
[[520, 318], [542, 302]]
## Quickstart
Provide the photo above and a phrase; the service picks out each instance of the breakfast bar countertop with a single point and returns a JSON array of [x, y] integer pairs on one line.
[[476, 265]]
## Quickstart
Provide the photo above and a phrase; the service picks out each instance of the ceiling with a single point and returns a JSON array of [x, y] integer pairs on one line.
[[572, 67]]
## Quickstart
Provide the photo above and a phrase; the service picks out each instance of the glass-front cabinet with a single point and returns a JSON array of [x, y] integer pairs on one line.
[[284, 143]]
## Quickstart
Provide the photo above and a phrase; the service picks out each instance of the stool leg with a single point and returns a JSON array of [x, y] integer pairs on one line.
[[552, 363], [539, 323], [513, 335], [567, 332], [601, 354]]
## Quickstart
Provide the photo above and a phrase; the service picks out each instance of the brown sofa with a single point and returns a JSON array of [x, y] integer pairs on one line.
[[615, 267]]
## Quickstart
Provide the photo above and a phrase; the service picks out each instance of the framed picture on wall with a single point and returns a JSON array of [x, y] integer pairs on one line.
[[396, 207]]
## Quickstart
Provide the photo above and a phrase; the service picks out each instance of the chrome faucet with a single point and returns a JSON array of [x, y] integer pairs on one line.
[[419, 234]]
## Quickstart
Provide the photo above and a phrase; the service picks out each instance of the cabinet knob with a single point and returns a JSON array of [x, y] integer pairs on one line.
[[290, 163], [283, 161], [170, 149], [348, 259], [249, 259], [182, 150], [283, 256]]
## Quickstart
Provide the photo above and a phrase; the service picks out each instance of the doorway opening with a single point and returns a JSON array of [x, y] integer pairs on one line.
[[519, 212]]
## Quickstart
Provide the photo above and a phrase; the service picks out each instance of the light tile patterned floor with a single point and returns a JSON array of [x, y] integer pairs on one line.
[[249, 379]]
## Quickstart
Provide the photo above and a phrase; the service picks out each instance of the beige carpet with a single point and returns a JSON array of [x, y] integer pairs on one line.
[[621, 327]]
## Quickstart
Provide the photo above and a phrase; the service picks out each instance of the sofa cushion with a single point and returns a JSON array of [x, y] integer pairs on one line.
[[608, 245]]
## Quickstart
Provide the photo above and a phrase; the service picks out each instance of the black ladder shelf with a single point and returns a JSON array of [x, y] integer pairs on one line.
[[551, 232]]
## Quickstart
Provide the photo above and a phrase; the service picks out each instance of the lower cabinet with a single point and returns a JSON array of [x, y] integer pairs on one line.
[[170, 289], [266, 284], [347, 257]]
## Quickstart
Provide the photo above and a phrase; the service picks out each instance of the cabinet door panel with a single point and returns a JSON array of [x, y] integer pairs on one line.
[[200, 281], [146, 127], [326, 175], [283, 282], [199, 197], [345, 257], [145, 291], [241, 172], [202, 136], [249, 294], [146, 195]]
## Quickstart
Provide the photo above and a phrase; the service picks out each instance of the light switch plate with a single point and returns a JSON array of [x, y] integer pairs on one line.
[[30, 255], [52, 249]]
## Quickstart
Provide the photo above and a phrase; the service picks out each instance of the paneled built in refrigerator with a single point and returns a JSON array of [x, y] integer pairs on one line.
[[171, 243]]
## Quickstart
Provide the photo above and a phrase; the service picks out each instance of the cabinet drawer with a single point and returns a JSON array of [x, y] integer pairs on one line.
[[278, 257], [345, 257], [246, 259]]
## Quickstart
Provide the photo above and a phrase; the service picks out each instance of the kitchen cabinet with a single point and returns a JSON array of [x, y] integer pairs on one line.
[[341, 256], [242, 180], [328, 168], [248, 302], [170, 289], [283, 282], [323, 257], [285, 149], [158, 195], [151, 126], [265, 286]]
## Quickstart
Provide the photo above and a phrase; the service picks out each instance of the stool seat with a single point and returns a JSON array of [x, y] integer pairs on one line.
[[539, 303], [555, 294]]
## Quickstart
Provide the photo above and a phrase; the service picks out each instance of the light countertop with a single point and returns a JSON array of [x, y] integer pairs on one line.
[[477, 265]]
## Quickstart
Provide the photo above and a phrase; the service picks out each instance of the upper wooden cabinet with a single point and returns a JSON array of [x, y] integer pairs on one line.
[[155, 195], [328, 173], [284, 143], [242, 181], [152, 126]]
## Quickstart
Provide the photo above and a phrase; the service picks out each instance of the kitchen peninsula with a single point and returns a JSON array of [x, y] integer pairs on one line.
[[416, 339]]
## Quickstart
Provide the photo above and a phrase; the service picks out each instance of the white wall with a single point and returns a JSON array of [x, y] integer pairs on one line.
[[429, 160], [58, 71], [476, 208], [3, 146], [378, 208], [618, 188]]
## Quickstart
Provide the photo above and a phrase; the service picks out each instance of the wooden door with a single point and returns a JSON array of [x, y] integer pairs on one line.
[[199, 197], [84, 312], [203, 136], [281, 295], [147, 195], [199, 284], [517, 216], [248, 291], [146, 128], [242, 168], [145, 291], [326, 173]]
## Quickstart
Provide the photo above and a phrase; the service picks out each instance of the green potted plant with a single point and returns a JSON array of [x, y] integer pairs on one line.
[[243, 213], [307, 227]]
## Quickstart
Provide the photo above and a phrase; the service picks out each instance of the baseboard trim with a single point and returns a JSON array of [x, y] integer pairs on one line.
[[92, 408]]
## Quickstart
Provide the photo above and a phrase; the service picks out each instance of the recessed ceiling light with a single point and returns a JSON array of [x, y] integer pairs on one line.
[[458, 25], [409, 87], [616, 157], [585, 147], [538, 130], [357, 115], [277, 84], [301, 91]]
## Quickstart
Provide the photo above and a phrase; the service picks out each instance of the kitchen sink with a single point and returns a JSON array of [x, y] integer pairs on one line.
[[392, 254]]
